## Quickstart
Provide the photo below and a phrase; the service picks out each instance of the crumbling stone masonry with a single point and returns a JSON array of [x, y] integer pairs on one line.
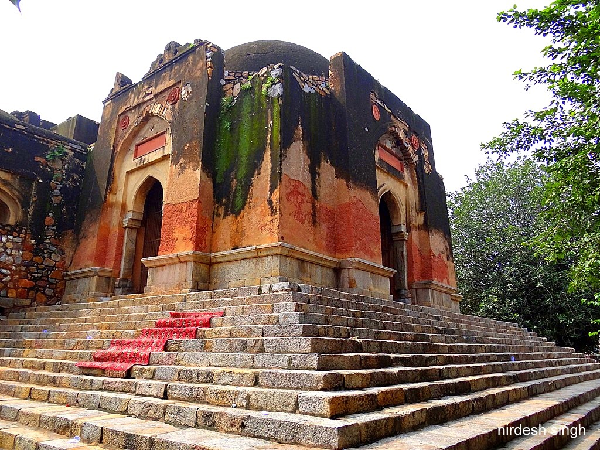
[[261, 164], [41, 173]]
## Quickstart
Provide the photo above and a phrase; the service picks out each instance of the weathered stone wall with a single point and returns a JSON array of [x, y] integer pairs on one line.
[[173, 98], [41, 173], [269, 175], [370, 111], [31, 270]]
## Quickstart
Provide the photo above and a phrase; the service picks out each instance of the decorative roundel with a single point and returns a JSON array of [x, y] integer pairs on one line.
[[414, 142], [173, 96], [124, 122], [376, 113]]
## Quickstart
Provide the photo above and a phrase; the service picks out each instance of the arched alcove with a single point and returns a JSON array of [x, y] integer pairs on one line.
[[4, 213], [140, 170], [10, 209]]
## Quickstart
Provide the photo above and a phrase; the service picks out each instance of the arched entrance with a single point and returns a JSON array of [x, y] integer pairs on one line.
[[4, 213], [393, 245], [387, 241], [10, 208], [148, 235]]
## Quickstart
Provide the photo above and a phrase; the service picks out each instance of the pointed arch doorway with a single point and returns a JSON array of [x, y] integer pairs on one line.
[[148, 235], [142, 236], [393, 245]]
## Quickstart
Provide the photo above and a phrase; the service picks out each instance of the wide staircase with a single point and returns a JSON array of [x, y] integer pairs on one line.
[[290, 367]]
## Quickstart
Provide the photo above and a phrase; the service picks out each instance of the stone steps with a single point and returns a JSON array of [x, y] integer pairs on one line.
[[340, 379], [303, 379], [80, 334], [589, 441], [292, 364], [291, 428], [348, 326], [271, 393], [349, 361], [281, 344], [47, 353], [316, 324], [91, 340], [318, 303], [560, 430], [311, 361], [45, 328], [115, 431], [16, 436], [462, 330], [489, 429]]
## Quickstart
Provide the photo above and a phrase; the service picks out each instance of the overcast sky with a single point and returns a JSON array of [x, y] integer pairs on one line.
[[450, 61]]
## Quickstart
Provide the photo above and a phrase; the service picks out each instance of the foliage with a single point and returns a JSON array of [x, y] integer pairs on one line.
[[227, 103], [565, 135], [492, 219], [55, 152], [270, 81]]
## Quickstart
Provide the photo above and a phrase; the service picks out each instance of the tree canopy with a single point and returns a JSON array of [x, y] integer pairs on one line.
[[565, 135], [492, 219]]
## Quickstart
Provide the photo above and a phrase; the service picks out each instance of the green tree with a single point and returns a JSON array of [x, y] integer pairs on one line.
[[492, 220], [565, 135]]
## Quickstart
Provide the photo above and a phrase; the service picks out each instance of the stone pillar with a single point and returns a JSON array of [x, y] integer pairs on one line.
[[131, 223], [400, 236]]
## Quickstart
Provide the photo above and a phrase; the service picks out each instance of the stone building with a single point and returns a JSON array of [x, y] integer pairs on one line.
[[248, 200], [260, 164], [41, 173]]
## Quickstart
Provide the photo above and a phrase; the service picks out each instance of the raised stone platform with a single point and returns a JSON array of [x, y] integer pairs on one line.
[[289, 367]]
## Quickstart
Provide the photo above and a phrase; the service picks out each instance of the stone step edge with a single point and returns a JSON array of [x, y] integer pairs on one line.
[[368, 399], [103, 324], [100, 338], [482, 431], [104, 343], [311, 345], [338, 432], [281, 330], [459, 323], [97, 430], [19, 436], [166, 373], [364, 300], [558, 431], [590, 441], [277, 330], [306, 361], [118, 318]]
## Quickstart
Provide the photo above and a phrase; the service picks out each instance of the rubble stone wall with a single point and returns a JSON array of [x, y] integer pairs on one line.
[[31, 271]]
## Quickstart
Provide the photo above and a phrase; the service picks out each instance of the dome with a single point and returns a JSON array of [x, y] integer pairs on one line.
[[253, 56]]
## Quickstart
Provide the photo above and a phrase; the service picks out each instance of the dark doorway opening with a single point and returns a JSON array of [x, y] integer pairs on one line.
[[148, 237], [387, 241], [4, 213]]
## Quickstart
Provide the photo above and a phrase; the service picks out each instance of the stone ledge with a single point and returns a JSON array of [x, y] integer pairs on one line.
[[435, 285], [175, 258], [277, 249], [367, 266], [88, 272]]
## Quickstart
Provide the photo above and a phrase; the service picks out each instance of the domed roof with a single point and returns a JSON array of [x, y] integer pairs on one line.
[[253, 56]]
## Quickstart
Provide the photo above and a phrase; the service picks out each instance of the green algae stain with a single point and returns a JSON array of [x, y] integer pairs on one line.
[[242, 138]]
